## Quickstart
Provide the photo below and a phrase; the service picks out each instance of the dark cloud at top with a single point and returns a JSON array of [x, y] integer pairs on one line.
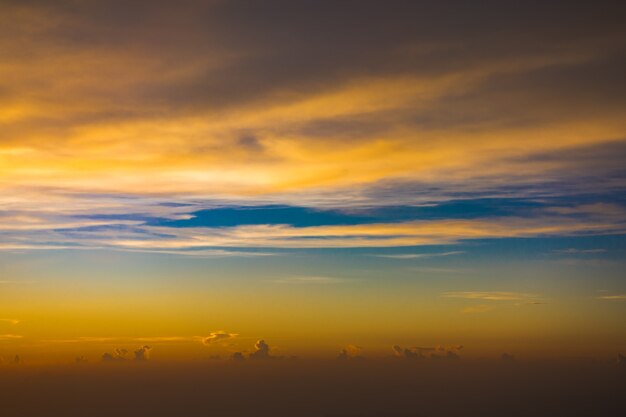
[[304, 46], [279, 46]]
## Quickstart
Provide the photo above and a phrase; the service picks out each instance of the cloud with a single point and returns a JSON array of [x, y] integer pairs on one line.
[[494, 296], [83, 222], [574, 251], [419, 255], [448, 353], [406, 353], [10, 321], [350, 352], [163, 339], [420, 352], [238, 356], [143, 353], [219, 336], [505, 357], [614, 297], [262, 351], [414, 233], [10, 336], [121, 354], [433, 104], [305, 280], [117, 355], [84, 339]]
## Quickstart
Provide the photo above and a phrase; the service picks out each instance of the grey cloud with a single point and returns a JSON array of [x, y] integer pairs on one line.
[[326, 43], [250, 142]]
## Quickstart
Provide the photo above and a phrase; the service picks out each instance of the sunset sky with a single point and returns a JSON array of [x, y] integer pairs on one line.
[[331, 177]]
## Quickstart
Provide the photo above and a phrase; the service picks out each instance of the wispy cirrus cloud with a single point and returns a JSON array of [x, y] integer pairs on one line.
[[494, 296], [10, 336], [218, 337], [309, 280], [140, 236], [575, 251], [419, 255], [613, 297]]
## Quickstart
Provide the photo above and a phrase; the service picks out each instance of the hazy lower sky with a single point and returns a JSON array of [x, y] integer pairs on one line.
[[311, 179]]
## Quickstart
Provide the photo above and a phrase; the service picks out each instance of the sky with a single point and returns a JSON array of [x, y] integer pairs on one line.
[[316, 179]]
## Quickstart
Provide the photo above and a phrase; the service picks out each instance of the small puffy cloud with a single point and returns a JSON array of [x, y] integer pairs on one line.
[[350, 352], [143, 353], [406, 353], [108, 357], [121, 352], [218, 337], [117, 355], [262, 351], [419, 352]]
